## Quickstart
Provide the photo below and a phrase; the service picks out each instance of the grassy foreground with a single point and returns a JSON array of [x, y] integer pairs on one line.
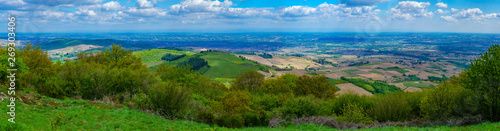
[[44, 113]]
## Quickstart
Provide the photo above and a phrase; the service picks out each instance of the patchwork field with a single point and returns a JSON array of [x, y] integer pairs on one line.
[[350, 88]]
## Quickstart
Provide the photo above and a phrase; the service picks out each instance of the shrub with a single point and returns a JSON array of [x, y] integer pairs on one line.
[[231, 121], [315, 85], [168, 99], [340, 102], [195, 63], [205, 116], [391, 107], [354, 113], [446, 101], [234, 103], [255, 119], [301, 106], [171, 57], [249, 81]]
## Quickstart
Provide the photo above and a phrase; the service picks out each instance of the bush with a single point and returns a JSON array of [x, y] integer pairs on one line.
[[391, 107], [249, 81], [195, 63], [354, 113], [315, 85], [205, 116], [301, 106], [344, 99], [168, 99], [230, 121], [255, 119], [447, 101]]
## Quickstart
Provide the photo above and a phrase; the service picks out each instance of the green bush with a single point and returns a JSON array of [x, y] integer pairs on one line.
[[363, 101], [205, 116], [391, 107], [255, 119], [168, 99], [315, 85], [249, 81], [354, 113], [301, 106], [231, 121], [447, 101]]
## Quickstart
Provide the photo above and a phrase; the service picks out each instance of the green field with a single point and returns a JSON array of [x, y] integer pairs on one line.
[[225, 65], [417, 85], [152, 57], [349, 72]]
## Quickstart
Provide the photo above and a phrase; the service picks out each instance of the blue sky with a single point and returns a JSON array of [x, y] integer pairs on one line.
[[477, 16]]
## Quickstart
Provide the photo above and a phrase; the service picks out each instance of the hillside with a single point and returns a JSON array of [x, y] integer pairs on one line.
[[223, 67]]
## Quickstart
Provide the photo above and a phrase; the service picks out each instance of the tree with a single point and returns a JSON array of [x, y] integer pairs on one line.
[[483, 76], [316, 85], [250, 81]]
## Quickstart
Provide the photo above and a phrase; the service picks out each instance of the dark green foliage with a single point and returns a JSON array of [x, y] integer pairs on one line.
[[354, 113], [267, 56], [172, 57], [249, 81], [205, 116], [391, 107], [255, 119], [377, 87], [448, 100], [316, 85], [168, 99], [439, 79], [483, 77], [363, 101], [234, 121], [301, 106], [195, 62]]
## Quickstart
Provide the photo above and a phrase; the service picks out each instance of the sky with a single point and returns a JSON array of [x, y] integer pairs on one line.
[[470, 16]]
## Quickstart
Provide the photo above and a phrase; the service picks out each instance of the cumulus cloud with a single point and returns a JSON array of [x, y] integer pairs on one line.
[[196, 6], [442, 5], [361, 2], [409, 10], [440, 11], [454, 10], [112, 6], [144, 4], [474, 14], [148, 12], [63, 2], [297, 11]]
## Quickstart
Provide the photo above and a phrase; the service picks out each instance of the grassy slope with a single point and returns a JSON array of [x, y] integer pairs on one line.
[[88, 115], [152, 57], [225, 65]]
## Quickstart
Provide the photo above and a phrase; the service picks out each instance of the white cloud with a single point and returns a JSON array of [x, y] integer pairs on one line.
[[144, 4], [454, 10], [196, 6], [85, 12], [361, 2], [63, 2], [439, 11], [409, 10], [112, 6], [474, 14], [297, 11], [442, 5], [148, 12]]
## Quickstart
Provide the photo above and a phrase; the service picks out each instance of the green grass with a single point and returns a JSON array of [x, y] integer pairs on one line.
[[402, 71], [152, 57], [349, 72], [225, 65], [376, 72], [88, 115], [417, 85]]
